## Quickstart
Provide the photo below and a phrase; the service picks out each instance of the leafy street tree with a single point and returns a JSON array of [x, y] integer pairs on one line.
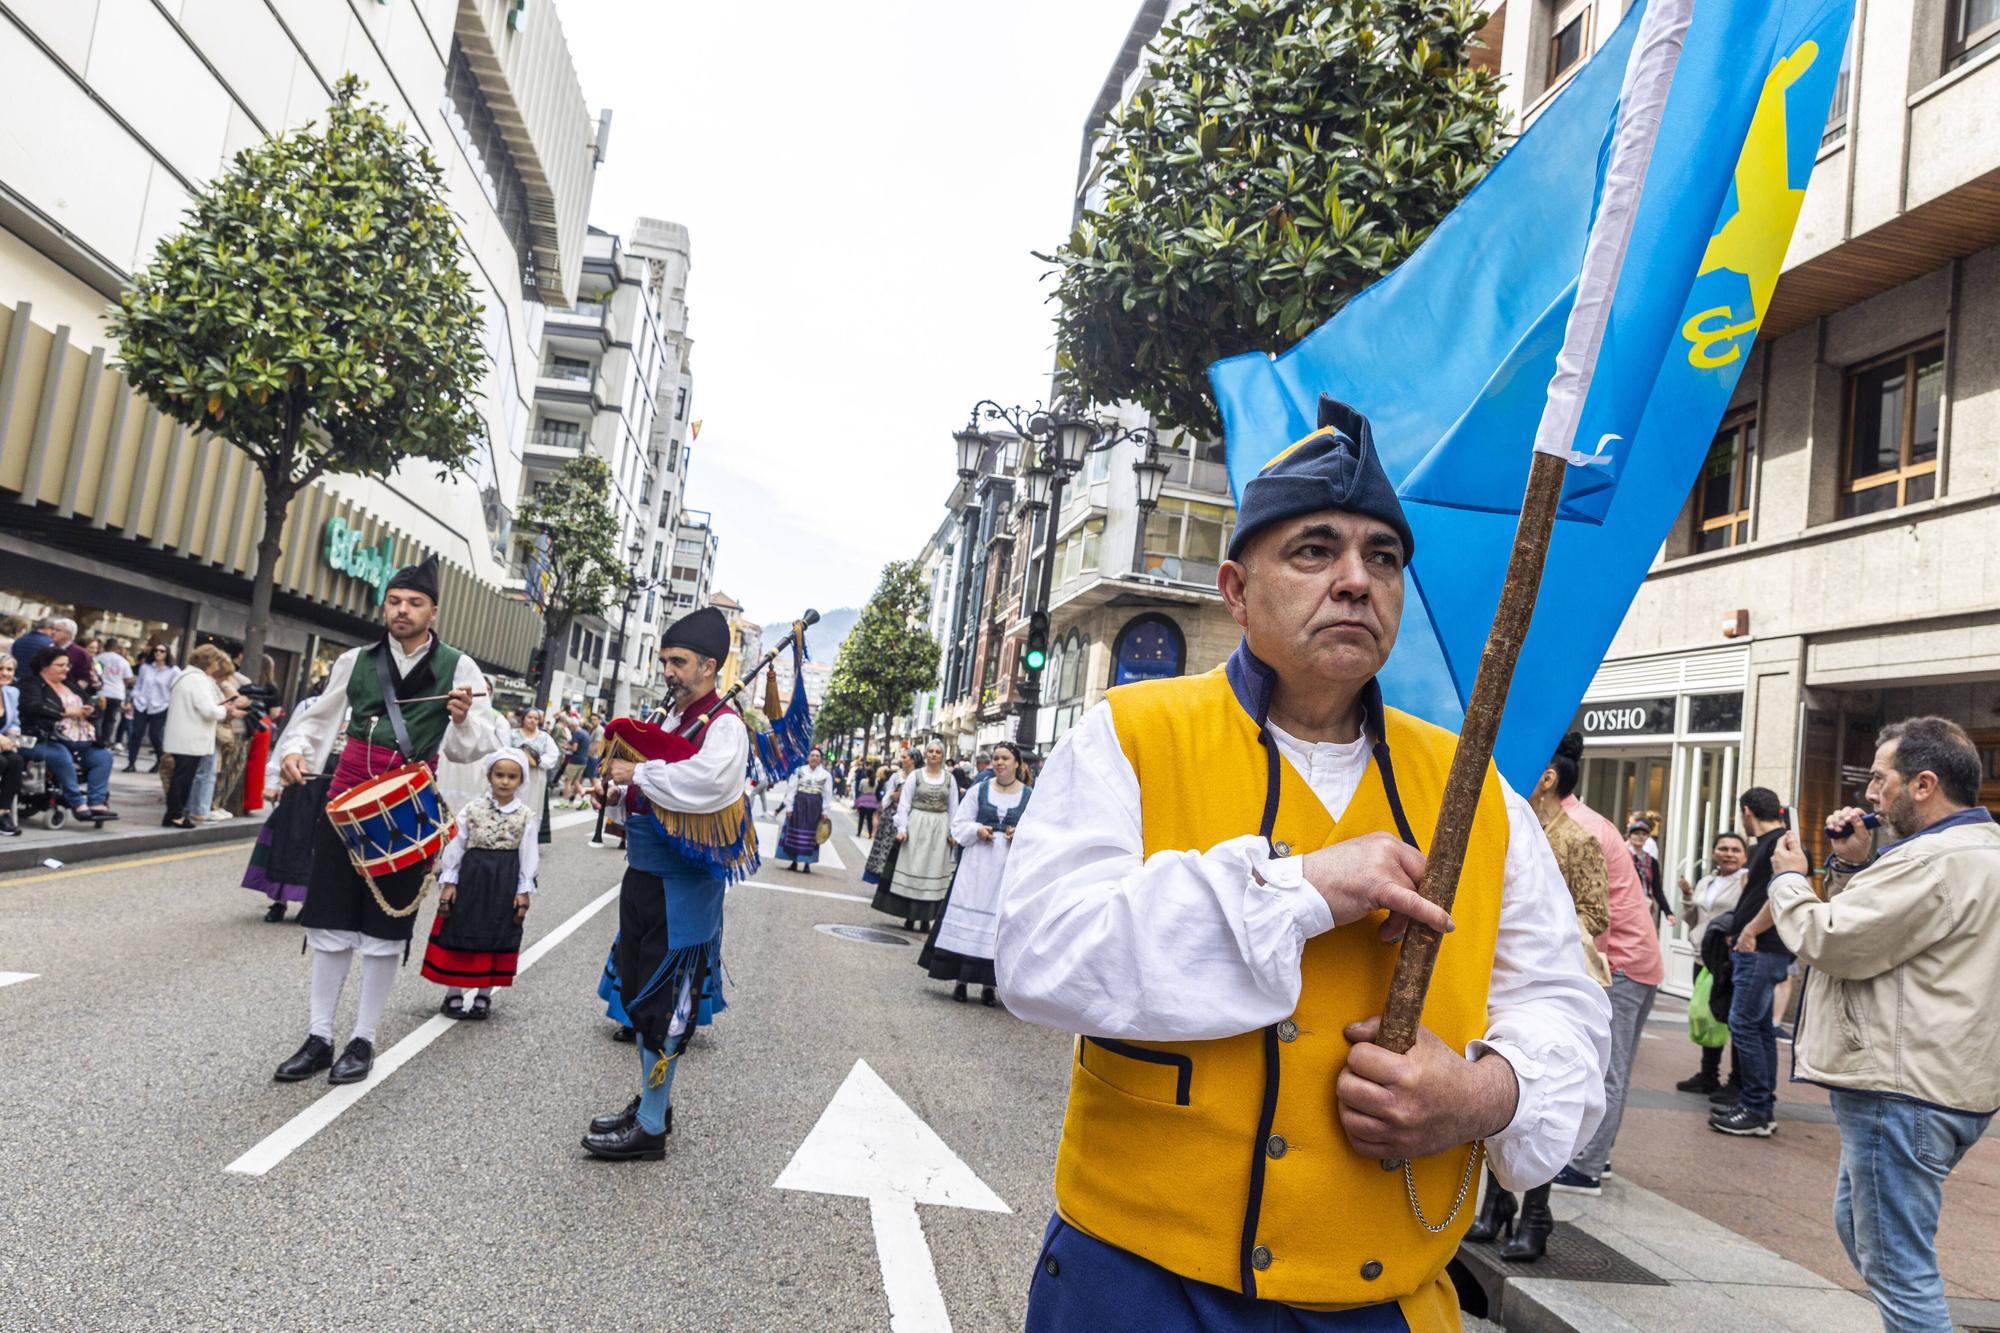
[[573, 512], [314, 312], [1283, 155], [840, 712], [888, 656]]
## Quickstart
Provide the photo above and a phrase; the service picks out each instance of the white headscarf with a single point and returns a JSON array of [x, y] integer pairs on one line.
[[507, 752]]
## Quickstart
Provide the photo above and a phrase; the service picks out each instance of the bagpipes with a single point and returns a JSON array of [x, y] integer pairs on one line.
[[726, 838]]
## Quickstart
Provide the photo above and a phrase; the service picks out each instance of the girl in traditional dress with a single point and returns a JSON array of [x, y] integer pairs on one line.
[[486, 879], [805, 801], [867, 779], [960, 949], [922, 871]]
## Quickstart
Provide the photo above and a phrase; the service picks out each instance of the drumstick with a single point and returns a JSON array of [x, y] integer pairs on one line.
[[437, 698]]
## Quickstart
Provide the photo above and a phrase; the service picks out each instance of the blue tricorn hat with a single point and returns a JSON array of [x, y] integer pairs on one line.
[[1335, 467]]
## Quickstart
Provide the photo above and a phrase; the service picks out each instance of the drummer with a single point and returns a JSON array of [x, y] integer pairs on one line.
[[450, 713]]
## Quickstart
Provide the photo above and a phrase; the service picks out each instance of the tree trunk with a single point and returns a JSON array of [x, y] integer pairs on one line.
[[270, 547], [867, 735], [556, 631]]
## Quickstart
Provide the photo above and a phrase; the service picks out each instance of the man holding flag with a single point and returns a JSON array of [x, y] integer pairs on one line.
[[1602, 315]]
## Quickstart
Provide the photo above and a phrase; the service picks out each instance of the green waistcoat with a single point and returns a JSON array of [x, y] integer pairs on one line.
[[368, 718]]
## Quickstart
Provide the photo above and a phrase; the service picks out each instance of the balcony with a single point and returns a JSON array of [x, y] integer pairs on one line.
[[585, 319], [572, 384], [569, 444]]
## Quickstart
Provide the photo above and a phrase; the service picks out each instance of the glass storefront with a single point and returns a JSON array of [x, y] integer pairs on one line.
[[1673, 758]]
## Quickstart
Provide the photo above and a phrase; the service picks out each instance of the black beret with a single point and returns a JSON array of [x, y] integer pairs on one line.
[[705, 631], [1335, 467]]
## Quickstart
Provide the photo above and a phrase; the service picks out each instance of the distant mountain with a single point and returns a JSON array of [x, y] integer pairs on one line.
[[823, 640]]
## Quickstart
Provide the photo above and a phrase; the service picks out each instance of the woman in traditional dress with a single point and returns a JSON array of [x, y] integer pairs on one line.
[[544, 758], [960, 949], [866, 800], [882, 851], [805, 802], [922, 872]]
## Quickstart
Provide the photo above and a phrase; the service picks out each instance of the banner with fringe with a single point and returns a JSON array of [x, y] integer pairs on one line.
[[782, 750]]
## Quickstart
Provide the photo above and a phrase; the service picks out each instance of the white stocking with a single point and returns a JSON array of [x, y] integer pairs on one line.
[[378, 973], [329, 976]]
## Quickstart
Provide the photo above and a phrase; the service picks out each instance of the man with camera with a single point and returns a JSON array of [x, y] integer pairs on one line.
[[1902, 1001]]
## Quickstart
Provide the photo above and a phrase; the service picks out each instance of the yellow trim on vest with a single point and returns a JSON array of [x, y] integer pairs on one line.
[[1168, 1177]]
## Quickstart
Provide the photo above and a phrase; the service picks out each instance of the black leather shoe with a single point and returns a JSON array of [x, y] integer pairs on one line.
[[1531, 1238], [1496, 1214], [276, 912], [624, 1034], [958, 992], [354, 1062], [1700, 1083], [630, 1144], [616, 1120], [8, 828], [306, 1061]]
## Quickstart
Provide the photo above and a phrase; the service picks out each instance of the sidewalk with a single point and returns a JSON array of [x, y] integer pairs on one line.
[[1739, 1232], [141, 804]]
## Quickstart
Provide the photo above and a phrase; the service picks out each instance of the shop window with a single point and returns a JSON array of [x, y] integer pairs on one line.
[[1893, 410], [1150, 647], [1569, 38], [1715, 714], [1973, 27], [1722, 492]]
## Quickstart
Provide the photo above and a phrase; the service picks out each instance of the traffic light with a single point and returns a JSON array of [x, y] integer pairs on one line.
[[537, 664], [1037, 653]]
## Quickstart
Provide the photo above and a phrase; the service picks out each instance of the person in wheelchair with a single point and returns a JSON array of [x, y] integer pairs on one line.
[[13, 748], [64, 736]]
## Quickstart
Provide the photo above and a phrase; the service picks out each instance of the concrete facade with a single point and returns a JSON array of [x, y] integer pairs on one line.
[[1818, 622]]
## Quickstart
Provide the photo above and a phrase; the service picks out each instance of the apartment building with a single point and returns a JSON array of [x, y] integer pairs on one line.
[[136, 525]]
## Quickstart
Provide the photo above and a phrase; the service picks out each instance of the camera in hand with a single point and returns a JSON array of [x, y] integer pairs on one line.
[[260, 698], [1870, 820]]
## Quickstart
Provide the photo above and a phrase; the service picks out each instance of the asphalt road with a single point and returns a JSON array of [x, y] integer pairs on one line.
[[135, 1067]]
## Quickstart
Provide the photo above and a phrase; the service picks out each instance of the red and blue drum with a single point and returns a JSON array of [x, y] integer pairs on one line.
[[391, 822]]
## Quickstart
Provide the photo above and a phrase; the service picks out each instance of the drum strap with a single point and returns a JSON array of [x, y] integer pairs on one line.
[[387, 675]]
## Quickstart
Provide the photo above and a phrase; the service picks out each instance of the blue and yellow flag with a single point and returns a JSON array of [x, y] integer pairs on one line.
[[1451, 356]]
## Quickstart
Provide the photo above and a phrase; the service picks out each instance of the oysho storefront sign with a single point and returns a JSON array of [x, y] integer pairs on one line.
[[1626, 717], [345, 554]]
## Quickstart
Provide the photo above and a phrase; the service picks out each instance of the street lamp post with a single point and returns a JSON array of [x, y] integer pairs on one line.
[[1063, 437], [635, 583]]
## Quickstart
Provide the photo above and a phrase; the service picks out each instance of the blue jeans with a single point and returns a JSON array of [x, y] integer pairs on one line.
[[1894, 1156], [62, 761], [1751, 1030], [203, 796]]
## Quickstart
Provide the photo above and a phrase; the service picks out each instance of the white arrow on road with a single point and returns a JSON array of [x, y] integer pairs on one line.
[[12, 978], [869, 1145]]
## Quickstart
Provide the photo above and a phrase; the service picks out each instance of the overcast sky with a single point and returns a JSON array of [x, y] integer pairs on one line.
[[864, 184]]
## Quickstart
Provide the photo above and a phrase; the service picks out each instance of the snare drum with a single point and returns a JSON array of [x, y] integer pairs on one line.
[[392, 822]]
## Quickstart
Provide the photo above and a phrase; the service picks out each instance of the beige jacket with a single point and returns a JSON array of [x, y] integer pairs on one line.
[[1904, 992]]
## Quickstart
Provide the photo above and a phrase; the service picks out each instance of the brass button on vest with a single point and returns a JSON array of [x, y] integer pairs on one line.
[[1288, 1030], [1371, 1270], [1260, 1259], [1276, 1145]]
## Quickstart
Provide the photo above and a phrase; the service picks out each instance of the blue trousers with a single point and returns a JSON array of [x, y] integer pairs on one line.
[[1894, 1156], [95, 787], [653, 1102], [1082, 1283]]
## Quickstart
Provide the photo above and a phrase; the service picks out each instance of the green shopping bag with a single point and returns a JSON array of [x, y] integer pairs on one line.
[[1703, 1026]]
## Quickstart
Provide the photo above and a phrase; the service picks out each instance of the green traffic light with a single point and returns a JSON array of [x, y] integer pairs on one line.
[[1035, 658]]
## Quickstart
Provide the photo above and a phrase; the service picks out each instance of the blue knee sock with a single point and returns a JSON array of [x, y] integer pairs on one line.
[[653, 1102]]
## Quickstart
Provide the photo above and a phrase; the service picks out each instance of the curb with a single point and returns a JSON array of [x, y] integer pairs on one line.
[[103, 844]]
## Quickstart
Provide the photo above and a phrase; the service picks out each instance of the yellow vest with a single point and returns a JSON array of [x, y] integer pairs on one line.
[[1224, 1161]]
